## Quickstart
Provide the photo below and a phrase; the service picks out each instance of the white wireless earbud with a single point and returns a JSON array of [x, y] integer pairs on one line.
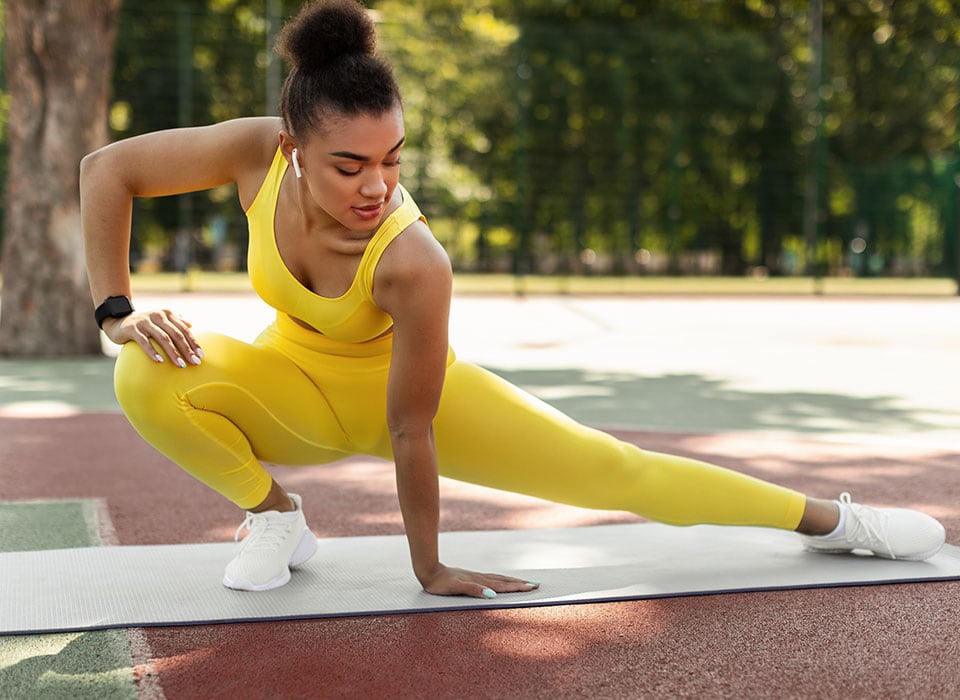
[[296, 164]]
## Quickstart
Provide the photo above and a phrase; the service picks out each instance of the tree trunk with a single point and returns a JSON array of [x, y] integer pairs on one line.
[[59, 63]]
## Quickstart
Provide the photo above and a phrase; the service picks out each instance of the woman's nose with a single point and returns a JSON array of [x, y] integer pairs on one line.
[[373, 185]]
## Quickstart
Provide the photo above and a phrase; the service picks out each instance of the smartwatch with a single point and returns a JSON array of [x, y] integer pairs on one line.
[[113, 307]]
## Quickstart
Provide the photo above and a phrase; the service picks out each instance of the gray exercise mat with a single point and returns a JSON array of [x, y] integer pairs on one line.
[[136, 586]]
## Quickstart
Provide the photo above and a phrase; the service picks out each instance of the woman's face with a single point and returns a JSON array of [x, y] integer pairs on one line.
[[352, 166]]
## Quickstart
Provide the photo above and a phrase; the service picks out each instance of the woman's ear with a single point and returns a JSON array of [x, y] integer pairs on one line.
[[289, 149]]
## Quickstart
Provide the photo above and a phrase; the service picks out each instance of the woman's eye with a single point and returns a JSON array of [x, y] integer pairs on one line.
[[348, 173]]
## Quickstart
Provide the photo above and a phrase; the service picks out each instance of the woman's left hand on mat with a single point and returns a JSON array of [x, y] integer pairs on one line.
[[451, 581]]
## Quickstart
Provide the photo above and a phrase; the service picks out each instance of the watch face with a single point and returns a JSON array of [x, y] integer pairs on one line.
[[118, 306], [113, 307]]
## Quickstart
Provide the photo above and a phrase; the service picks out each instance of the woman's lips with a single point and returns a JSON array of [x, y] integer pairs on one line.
[[368, 213]]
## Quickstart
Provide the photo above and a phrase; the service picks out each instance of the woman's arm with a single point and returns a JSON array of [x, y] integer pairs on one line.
[[413, 284], [151, 165]]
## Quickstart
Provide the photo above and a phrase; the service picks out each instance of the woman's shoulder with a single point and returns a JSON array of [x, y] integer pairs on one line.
[[414, 259], [257, 144], [415, 242]]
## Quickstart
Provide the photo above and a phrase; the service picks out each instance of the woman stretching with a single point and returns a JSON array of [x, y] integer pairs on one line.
[[358, 361]]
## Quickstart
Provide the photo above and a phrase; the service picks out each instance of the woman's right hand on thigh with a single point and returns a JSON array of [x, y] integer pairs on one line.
[[156, 331]]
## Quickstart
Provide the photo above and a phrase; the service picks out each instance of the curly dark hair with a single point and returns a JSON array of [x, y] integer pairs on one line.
[[334, 68]]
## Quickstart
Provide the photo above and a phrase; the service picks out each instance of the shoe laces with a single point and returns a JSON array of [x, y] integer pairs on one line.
[[869, 525], [266, 533]]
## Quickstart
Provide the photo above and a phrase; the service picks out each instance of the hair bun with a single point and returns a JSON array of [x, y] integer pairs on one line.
[[324, 31]]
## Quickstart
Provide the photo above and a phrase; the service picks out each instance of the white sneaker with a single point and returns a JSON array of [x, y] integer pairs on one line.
[[891, 533], [276, 542]]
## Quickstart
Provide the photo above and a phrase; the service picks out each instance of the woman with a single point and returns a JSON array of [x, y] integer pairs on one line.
[[358, 360]]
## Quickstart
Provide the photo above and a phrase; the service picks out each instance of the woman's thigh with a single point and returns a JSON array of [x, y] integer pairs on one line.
[[242, 393], [492, 433]]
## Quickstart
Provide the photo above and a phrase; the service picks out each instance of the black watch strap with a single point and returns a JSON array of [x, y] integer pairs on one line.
[[113, 307]]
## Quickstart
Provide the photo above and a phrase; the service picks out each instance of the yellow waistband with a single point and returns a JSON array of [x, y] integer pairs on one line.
[[285, 330]]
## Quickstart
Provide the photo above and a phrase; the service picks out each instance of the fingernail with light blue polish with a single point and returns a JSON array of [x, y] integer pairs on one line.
[[180, 363], [489, 593]]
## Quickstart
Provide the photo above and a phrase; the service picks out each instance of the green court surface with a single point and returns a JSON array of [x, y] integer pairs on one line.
[[94, 665]]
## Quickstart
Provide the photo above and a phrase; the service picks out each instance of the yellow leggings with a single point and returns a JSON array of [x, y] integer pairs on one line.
[[295, 397]]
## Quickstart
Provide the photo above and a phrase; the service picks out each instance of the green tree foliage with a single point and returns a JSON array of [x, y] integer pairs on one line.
[[690, 126], [457, 86], [189, 63], [892, 91], [641, 127], [615, 135]]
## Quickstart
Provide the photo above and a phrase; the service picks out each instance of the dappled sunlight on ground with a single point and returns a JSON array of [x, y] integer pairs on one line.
[[38, 409], [555, 635], [697, 402], [69, 665], [185, 662]]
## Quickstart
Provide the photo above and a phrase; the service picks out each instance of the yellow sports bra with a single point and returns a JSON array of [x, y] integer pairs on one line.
[[352, 317]]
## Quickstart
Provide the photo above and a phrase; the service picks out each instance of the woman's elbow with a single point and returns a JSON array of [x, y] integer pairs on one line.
[[90, 165]]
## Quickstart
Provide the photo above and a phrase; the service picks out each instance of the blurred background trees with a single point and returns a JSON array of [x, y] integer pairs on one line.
[[605, 136], [58, 61]]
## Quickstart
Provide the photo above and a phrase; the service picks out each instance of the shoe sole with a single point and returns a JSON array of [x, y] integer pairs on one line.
[[923, 556], [306, 548]]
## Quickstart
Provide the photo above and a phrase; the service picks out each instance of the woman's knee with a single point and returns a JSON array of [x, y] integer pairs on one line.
[[146, 388], [140, 381]]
